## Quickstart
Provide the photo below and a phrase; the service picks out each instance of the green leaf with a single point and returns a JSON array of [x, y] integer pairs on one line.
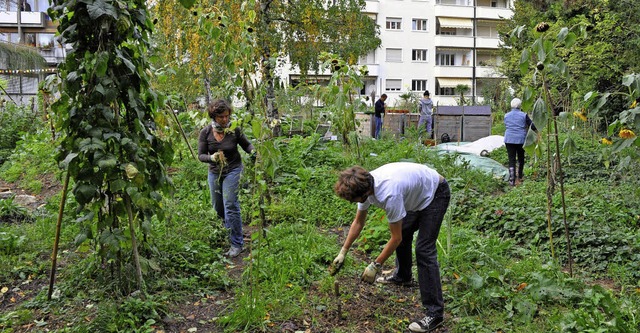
[[117, 185], [540, 114], [524, 62], [65, 163], [84, 193], [531, 138], [588, 95], [603, 100], [562, 35], [571, 39], [87, 217], [80, 238], [622, 144], [99, 8], [476, 281], [187, 3], [569, 146], [107, 163]]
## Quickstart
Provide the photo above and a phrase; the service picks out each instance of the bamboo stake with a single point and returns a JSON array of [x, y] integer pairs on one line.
[[134, 245], [184, 136], [336, 290], [54, 255]]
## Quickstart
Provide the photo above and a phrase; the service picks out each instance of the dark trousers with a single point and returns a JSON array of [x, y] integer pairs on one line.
[[515, 150], [427, 222]]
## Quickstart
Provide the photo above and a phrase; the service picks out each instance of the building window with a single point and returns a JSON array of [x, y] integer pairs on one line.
[[418, 85], [419, 24], [447, 91], [393, 84], [446, 59], [369, 58], [394, 23], [394, 55], [419, 55], [448, 31]]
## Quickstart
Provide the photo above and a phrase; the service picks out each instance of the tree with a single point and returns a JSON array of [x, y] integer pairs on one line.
[[597, 63], [237, 35]]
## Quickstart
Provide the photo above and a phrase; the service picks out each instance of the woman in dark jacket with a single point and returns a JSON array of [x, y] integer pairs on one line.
[[517, 125], [218, 146]]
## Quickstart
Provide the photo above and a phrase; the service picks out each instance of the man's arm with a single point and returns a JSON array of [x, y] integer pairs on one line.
[[392, 244], [356, 228]]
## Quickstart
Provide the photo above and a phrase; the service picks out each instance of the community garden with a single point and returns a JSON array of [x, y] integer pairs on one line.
[[121, 236]]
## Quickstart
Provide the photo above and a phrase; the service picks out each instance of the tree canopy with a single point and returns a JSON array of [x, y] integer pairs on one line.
[[598, 62]]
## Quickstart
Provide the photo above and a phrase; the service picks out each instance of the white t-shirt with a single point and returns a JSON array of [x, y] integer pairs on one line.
[[402, 187]]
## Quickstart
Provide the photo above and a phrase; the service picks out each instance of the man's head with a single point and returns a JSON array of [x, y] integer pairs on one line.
[[354, 184], [383, 97], [426, 93], [516, 103]]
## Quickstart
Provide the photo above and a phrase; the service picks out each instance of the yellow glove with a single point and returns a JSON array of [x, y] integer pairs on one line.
[[371, 272]]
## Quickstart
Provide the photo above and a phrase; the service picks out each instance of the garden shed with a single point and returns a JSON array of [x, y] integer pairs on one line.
[[462, 123]]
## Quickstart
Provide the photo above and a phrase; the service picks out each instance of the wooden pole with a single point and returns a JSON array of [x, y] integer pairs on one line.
[[134, 245], [54, 255], [184, 136]]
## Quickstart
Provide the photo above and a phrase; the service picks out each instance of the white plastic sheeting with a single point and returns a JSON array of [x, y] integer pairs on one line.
[[471, 152]]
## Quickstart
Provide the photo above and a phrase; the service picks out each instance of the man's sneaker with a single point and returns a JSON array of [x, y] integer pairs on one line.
[[426, 324], [234, 252], [392, 279]]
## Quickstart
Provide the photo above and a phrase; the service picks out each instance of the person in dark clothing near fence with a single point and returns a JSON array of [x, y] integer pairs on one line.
[[380, 110]]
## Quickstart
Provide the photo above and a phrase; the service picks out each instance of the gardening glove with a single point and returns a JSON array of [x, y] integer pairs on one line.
[[218, 157], [339, 260], [371, 272]]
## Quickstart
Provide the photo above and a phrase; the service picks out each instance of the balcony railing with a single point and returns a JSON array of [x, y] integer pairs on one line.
[[27, 19]]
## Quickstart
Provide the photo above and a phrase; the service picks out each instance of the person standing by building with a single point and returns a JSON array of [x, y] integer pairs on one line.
[[218, 147], [415, 198], [380, 110], [517, 125], [426, 107]]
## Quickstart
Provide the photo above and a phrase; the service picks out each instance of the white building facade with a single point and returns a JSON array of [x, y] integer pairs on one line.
[[25, 22], [432, 45]]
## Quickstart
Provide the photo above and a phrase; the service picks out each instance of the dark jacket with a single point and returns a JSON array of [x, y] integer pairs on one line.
[[379, 108]]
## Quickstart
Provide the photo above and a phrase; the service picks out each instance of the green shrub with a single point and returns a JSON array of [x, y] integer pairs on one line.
[[15, 121]]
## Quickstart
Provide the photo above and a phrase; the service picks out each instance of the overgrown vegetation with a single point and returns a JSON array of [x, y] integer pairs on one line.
[[499, 273]]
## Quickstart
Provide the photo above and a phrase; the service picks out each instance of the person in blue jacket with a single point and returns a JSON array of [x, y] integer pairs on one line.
[[517, 125]]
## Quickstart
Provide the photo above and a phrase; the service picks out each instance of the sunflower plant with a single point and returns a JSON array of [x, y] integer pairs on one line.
[[622, 133]]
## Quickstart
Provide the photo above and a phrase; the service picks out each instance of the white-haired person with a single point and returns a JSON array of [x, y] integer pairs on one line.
[[517, 125]]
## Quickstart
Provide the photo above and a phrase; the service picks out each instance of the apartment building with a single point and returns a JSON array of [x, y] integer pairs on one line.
[[26, 22], [432, 45]]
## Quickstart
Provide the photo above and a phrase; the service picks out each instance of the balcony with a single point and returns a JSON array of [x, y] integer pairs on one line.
[[372, 7], [493, 13], [453, 41], [374, 70], [453, 10], [27, 19], [453, 71], [487, 72], [487, 43]]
